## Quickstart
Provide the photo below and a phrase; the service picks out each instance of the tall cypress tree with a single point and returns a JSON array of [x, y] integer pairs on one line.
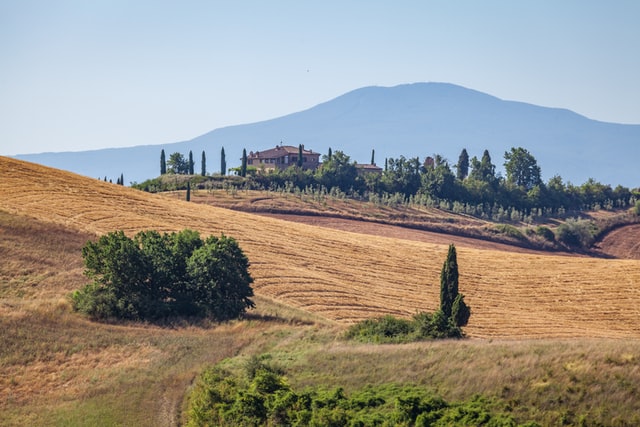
[[188, 191], [223, 162], [203, 170], [243, 167], [449, 281], [373, 157], [190, 163], [163, 163], [300, 155], [121, 179], [330, 154], [452, 302]]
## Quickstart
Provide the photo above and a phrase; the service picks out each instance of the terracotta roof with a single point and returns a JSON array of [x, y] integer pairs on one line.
[[278, 151]]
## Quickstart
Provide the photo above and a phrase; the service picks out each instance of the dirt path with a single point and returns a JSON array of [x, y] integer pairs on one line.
[[385, 230]]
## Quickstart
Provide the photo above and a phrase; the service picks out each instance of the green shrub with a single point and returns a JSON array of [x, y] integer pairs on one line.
[[577, 233], [509, 230], [546, 233]]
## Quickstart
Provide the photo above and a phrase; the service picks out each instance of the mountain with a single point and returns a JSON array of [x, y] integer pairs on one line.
[[419, 119]]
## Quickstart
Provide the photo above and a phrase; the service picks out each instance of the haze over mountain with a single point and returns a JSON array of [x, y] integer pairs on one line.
[[419, 119]]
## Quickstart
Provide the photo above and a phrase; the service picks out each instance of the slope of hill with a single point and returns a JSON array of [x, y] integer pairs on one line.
[[346, 276], [411, 120]]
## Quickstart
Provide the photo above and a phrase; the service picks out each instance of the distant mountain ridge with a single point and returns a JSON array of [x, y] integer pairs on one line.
[[414, 120]]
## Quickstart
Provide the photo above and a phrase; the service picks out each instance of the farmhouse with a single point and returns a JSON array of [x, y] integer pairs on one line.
[[368, 168], [281, 157]]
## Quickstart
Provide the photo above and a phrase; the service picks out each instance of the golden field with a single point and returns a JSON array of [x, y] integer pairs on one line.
[[345, 277]]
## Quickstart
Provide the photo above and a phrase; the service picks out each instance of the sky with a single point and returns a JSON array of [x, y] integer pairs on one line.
[[80, 75]]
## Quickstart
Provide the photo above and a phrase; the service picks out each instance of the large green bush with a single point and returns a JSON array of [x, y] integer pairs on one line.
[[155, 276], [577, 233], [265, 398]]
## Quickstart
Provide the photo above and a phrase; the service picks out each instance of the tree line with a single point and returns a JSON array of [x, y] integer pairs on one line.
[[471, 186]]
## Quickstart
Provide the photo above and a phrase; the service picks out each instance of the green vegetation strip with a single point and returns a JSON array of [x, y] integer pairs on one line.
[[262, 397]]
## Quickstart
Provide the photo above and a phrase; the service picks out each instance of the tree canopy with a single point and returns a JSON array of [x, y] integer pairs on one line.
[[155, 276], [177, 164], [522, 168]]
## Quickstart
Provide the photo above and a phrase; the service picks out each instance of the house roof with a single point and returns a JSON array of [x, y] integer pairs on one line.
[[279, 151], [368, 167]]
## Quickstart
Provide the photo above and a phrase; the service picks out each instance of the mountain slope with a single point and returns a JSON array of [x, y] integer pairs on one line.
[[347, 277], [418, 119]]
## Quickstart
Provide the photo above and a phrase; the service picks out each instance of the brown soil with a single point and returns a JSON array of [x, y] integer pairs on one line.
[[623, 243], [398, 232]]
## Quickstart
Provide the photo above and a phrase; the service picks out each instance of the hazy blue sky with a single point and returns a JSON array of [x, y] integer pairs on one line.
[[85, 74]]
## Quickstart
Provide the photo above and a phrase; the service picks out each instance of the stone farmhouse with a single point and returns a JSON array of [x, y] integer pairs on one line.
[[281, 157]]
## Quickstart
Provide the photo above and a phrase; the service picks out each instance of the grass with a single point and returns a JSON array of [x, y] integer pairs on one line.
[[553, 382], [57, 368]]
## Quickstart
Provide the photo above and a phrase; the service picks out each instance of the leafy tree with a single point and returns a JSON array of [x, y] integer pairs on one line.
[[522, 168], [402, 176], [163, 163], [337, 171], [203, 161], [462, 168], [223, 161], [221, 271], [243, 167], [438, 181], [191, 164], [153, 276], [177, 164], [483, 170]]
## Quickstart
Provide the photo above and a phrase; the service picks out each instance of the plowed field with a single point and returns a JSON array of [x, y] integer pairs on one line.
[[346, 276], [623, 243]]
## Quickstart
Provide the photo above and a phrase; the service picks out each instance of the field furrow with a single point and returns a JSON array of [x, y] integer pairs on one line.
[[346, 276]]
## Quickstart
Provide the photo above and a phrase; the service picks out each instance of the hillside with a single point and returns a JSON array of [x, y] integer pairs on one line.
[[345, 276], [412, 120]]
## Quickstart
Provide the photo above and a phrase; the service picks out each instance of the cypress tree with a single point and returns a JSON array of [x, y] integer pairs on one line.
[[121, 179], [203, 171], [190, 163], [373, 157], [449, 282], [452, 303], [223, 162], [163, 163], [300, 155], [330, 154], [188, 191], [462, 168], [243, 168]]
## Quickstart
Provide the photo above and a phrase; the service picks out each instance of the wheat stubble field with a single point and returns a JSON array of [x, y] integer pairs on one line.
[[346, 277]]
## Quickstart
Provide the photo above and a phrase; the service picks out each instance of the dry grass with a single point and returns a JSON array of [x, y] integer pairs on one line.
[[59, 369], [347, 277]]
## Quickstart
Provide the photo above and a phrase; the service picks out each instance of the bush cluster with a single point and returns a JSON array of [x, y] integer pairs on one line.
[[264, 398], [155, 276], [392, 330]]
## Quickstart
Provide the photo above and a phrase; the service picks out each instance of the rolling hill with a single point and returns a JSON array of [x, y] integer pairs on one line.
[[418, 119], [346, 277]]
